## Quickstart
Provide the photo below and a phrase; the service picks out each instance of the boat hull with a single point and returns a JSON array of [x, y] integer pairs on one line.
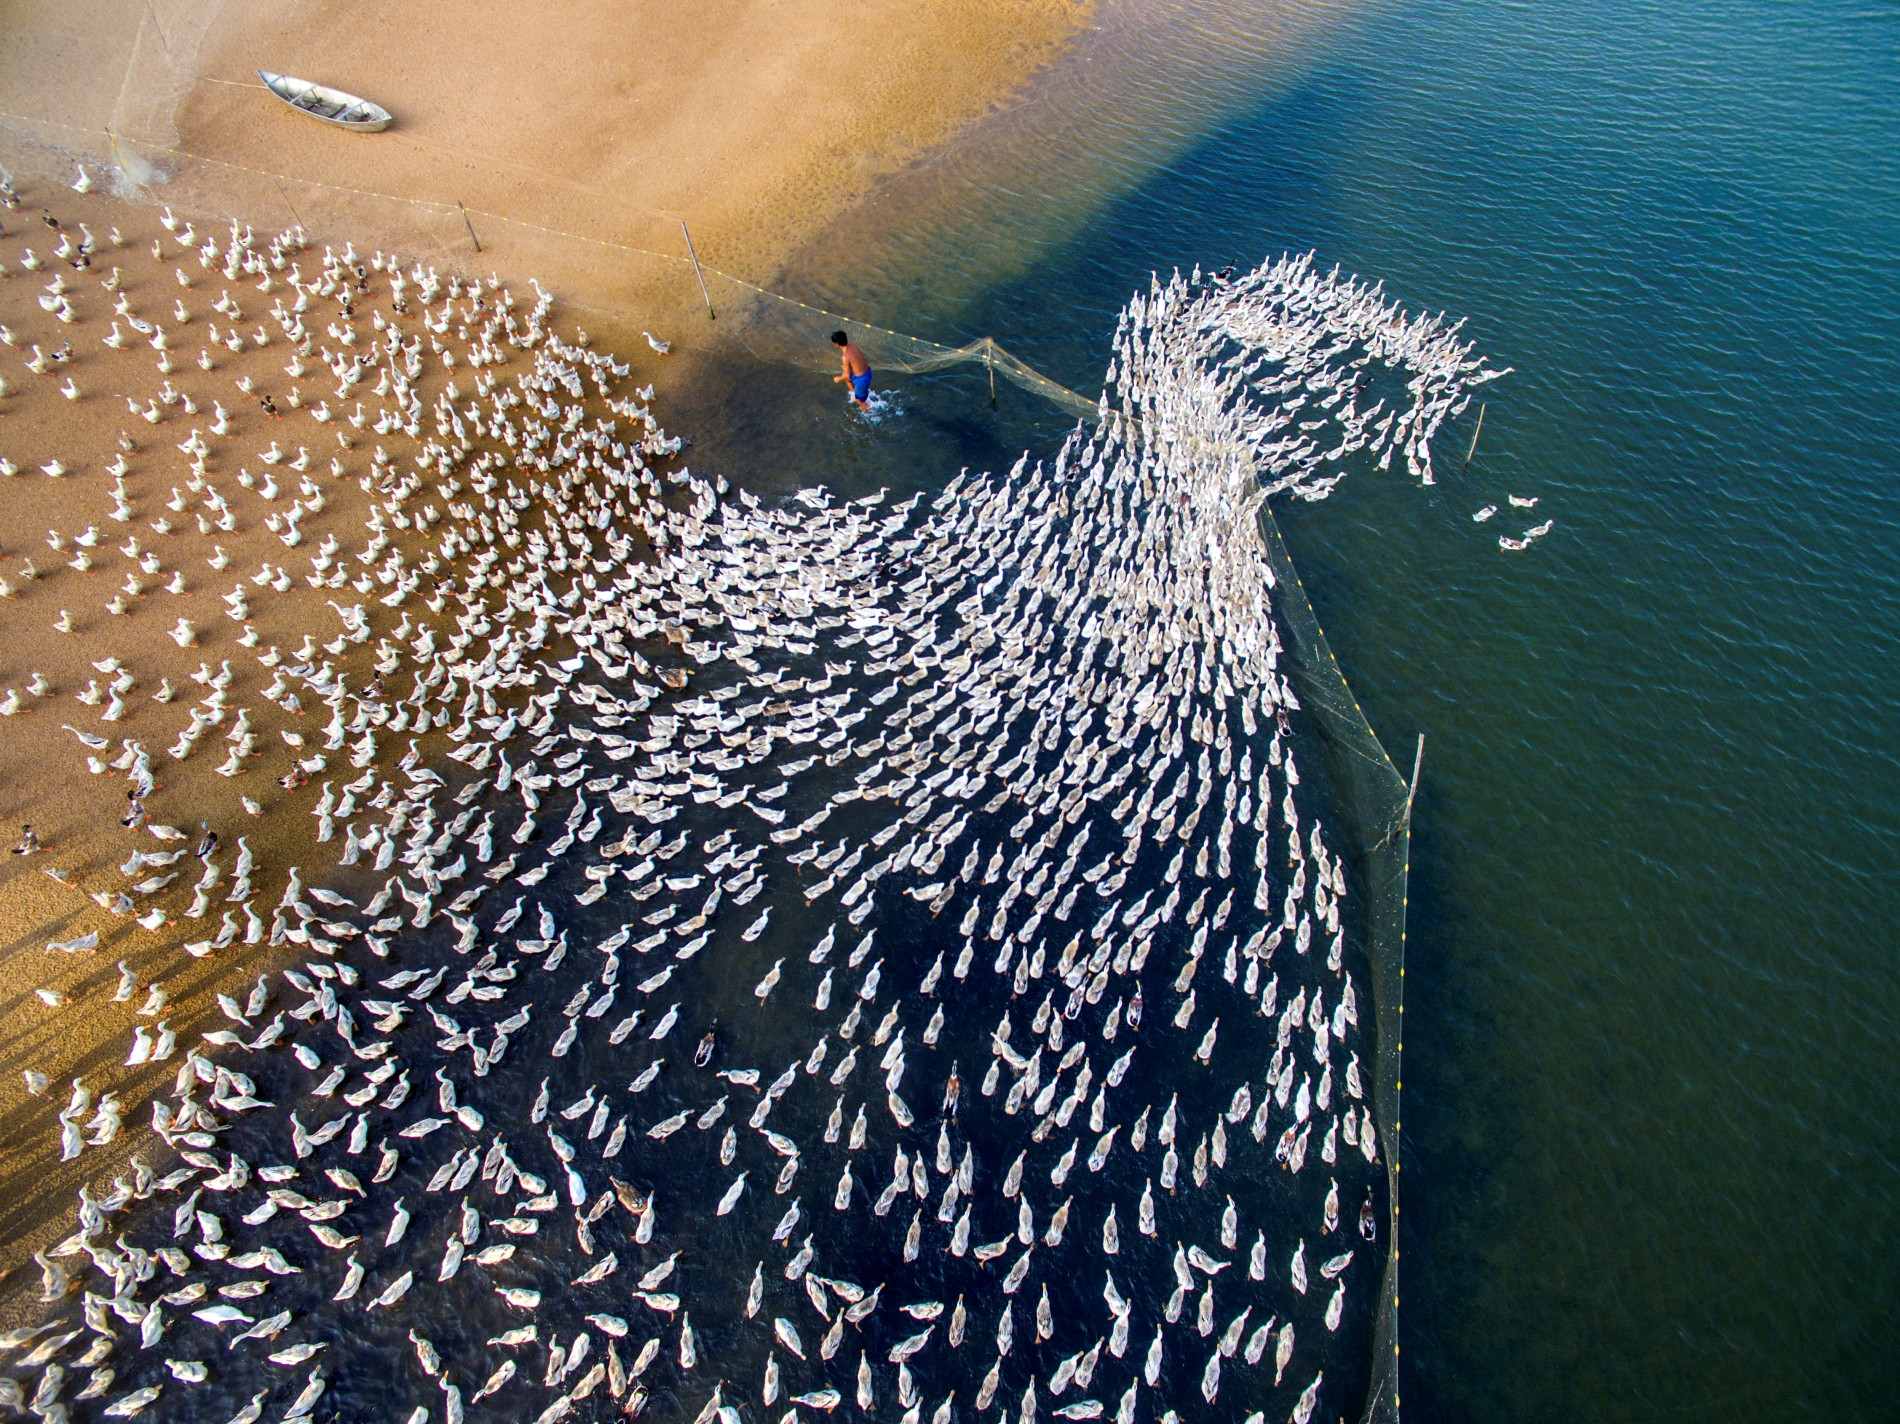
[[326, 105]]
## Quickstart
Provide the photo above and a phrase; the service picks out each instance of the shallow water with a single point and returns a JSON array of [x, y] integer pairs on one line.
[[1649, 1161]]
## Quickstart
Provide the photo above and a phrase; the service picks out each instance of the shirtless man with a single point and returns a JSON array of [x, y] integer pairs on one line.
[[857, 370]]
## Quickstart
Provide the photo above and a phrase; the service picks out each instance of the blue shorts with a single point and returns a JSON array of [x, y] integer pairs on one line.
[[861, 387]]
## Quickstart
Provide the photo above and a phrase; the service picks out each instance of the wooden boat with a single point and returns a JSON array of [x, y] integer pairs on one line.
[[332, 106]]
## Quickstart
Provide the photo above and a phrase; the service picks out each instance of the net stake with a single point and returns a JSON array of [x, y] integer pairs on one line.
[[711, 315], [989, 362], [1479, 430], [1418, 761], [469, 225]]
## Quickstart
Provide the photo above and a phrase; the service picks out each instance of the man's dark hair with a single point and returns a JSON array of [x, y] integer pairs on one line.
[[838, 338]]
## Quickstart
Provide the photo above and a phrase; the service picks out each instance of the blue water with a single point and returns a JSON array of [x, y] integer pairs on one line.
[[1649, 1152]]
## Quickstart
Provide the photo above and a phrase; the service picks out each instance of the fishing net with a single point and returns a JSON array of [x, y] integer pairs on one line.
[[788, 332], [1286, 380], [1377, 809], [671, 285]]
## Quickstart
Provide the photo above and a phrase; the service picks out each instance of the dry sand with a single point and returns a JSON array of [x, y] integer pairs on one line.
[[759, 124]]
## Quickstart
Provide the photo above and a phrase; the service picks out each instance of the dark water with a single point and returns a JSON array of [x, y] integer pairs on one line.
[[1649, 1152]]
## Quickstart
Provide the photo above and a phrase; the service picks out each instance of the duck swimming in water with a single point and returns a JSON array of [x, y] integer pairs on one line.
[[1034, 676]]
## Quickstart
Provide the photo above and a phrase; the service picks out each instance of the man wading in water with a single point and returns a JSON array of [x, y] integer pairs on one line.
[[857, 370]]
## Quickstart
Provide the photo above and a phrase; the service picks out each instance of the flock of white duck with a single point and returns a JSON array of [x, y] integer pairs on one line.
[[552, 1122]]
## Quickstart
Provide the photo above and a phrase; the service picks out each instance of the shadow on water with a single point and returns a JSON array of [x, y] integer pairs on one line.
[[773, 429]]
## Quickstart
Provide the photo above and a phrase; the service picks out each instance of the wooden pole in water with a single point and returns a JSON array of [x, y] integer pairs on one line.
[[989, 361], [1418, 763], [711, 315], [1475, 434], [469, 225]]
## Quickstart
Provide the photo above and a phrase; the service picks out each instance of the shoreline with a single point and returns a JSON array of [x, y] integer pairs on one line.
[[1133, 92]]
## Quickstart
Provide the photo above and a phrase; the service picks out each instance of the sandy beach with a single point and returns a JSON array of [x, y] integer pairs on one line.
[[576, 145]]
